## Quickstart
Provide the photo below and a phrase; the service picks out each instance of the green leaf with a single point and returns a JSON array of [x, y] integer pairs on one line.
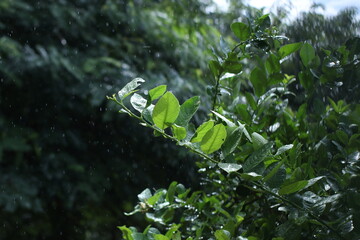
[[259, 81], [153, 199], [138, 102], [258, 140], [299, 185], [263, 21], [213, 139], [272, 64], [232, 141], [229, 167], [178, 131], [215, 68], [306, 79], [294, 187], [202, 130], [241, 30], [126, 233], [227, 121], [251, 176], [222, 235], [313, 181], [130, 88], [232, 64], [160, 237], [173, 232], [288, 49], [171, 192], [283, 149], [187, 111], [250, 100], [157, 92], [342, 136], [307, 54], [257, 157], [166, 110], [242, 126], [277, 176]]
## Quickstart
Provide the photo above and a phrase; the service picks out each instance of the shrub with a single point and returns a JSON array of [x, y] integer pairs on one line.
[[275, 163]]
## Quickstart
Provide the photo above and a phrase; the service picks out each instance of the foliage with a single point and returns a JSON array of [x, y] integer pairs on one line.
[[271, 168], [323, 31], [59, 171]]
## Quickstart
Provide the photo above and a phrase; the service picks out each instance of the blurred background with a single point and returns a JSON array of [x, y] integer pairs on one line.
[[70, 165]]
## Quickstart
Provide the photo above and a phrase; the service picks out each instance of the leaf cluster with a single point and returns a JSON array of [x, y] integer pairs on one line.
[[271, 170]]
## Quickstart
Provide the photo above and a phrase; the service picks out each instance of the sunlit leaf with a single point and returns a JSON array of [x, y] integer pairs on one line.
[[157, 92], [202, 130], [160, 237], [166, 110], [222, 235], [178, 131], [153, 199], [213, 139], [126, 233]]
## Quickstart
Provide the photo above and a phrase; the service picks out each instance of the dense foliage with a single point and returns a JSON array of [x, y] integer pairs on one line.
[[65, 169], [69, 165], [275, 164]]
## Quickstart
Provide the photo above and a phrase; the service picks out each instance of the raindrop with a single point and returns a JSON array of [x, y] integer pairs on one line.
[[63, 42]]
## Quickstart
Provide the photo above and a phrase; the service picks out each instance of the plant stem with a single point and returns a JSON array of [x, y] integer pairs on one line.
[[216, 92], [128, 111]]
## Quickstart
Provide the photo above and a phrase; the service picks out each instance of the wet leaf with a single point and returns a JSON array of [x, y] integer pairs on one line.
[[229, 167], [187, 111], [138, 102], [130, 88], [283, 149], [257, 157]]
